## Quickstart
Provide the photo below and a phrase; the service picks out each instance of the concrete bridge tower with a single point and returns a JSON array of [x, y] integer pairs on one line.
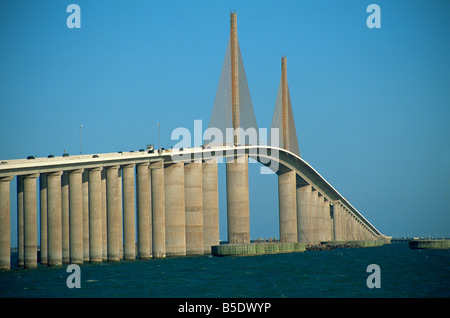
[[238, 216], [234, 119], [283, 119]]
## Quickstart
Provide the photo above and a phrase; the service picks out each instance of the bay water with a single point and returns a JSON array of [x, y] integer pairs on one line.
[[404, 273]]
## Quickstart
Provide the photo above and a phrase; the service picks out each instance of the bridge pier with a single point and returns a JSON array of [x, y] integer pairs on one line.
[[287, 203], [238, 217], [113, 213], [76, 217], [336, 221], [95, 216], [5, 230], [193, 194], [305, 209], [104, 217], [210, 205], [174, 185], [158, 210], [43, 218], [65, 217], [20, 235], [329, 221], [143, 212], [314, 217], [54, 219], [85, 203], [129, 224], [30, 221]]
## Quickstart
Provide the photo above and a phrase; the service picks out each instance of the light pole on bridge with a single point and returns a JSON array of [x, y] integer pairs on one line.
[[81, 129], [159, 137]]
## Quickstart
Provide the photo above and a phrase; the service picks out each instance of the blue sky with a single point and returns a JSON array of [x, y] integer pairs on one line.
[[371, 106]]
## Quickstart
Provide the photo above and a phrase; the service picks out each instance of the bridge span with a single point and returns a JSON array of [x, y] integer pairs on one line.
[[114, 206], [129, 205]]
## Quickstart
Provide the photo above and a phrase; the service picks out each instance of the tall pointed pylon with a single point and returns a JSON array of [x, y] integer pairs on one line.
[[283, 117], [233, 105]]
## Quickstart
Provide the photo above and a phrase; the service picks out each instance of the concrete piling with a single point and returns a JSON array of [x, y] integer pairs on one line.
[[112, 213], [129, 224], [5, 231], [85, 191], [30, 221], [65, 217], [210, 205], [287, 202], [193, 194], [76, 217], [54, 219], [158, 210], [143, 211], [95, 216], [43, 217], [238, 216], [175, 215]]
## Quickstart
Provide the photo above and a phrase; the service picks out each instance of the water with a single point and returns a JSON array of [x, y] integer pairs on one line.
[[338, 273]]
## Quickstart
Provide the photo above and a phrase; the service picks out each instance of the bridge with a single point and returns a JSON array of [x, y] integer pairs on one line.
[[158, 203]]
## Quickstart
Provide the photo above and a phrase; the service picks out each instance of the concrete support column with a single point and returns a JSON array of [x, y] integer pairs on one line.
[[76, 216], [30, 221], [342, 222], [193, 194], [304, 211], [334, 220], [238, 211], [129, 224], [85, 187], [95, 216], [287, 203], [337, 220], [5, 223], [353, 227], [43, 217], [342, 219], [20, 234], [143, 212], [358, 229], [328, 231], [104, 217], [113, 213], [333, 226], [120, 208], [234, 46], [65, 217], [360, 232], [158, 210], [175, 209], [321, 218], [54, 219], [314, 216], [345, 223], [210, 205], [348, 225]]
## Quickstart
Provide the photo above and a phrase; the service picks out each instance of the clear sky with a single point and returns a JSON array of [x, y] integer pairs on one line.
[[371, 106]]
